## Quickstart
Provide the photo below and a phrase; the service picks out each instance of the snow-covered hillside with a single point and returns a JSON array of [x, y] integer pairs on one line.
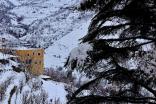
[[57, 54], [55, 25], [19, 90], [17, 87]]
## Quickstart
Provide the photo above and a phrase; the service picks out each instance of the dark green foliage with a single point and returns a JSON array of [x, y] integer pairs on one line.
[[118, 32], [3, 61], [17, 69]]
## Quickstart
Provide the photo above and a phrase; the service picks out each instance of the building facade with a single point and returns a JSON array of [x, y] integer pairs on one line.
[[31, 59]]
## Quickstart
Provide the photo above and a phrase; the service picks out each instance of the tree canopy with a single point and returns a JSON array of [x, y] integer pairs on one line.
[[122, 60]]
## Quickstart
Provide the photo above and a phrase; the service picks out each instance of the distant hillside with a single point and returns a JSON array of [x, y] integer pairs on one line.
[[55, 25], [45, 23]]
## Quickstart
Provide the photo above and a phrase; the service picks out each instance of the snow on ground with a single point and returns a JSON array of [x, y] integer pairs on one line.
[[15, 2], [15, 80], [33, 86], [5, 56], [7, 66], [67, 26], [54, 24], [54, 90], [38, 9], [57, 54]]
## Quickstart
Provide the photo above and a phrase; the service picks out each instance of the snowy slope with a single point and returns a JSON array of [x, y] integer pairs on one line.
[[55, 90], [6, 63], [55, 25], [56, 54], [21, 87], [52, 24], [33, 89]]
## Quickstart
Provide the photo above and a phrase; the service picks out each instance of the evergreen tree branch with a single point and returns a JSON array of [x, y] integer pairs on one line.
[[127, 75], [96, 99], [129, 38]]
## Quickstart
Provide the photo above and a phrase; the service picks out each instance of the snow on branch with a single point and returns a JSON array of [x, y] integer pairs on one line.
[[78, 56]]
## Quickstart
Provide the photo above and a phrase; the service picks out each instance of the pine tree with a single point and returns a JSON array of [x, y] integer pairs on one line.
[[122, 59]]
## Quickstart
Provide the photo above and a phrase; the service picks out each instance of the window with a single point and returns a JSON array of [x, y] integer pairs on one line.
[[28, 54], [39, 54], [28, 61], [33, 53]]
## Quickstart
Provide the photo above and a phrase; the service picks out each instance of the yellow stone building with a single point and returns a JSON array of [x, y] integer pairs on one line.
[[32, 59]]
